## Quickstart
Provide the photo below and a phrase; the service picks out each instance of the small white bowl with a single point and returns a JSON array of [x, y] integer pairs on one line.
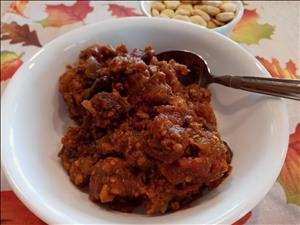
[[225, 30], [33, 120]]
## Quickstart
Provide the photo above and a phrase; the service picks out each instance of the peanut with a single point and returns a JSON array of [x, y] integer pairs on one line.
[[168, 12], [212, 3], [164, 16], [155, 12], [182, 17], [201, 13], [172, 4], [190, 1], [158, 5], [228, 7], [211, 24], [225, 16], [217, 22], [199, 6], [198, 20], [211, 10], [183, 12], [186, 7]]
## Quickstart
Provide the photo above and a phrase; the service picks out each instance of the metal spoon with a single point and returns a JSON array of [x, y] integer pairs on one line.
[[200, 74]]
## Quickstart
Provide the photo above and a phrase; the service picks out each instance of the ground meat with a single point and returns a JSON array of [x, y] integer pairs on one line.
[[111, 177], [141, 137], [105, 108]]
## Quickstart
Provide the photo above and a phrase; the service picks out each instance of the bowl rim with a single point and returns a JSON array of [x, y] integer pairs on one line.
[[40, 207], [232, 23]]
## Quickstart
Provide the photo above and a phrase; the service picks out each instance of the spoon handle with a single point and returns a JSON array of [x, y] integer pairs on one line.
[[285, 88]]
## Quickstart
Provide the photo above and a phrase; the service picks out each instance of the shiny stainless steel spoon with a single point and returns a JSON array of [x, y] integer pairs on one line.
[[200, 74]]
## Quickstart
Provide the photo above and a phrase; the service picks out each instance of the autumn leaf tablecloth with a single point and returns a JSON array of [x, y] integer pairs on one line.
[[270, 30]]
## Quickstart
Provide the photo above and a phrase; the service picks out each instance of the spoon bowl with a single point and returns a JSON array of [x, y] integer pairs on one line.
[[199, 71], [200, 74]]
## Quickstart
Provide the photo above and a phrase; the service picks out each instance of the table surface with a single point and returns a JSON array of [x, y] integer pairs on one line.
[[270, 30]]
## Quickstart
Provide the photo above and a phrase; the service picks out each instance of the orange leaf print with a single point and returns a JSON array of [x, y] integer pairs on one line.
[[19, 34], [122, 11], [243, 220], [18, 7], [14, 212], [59, 15], [274, 68], [291, 67], [10, 62], [248, 17], [289, 177]]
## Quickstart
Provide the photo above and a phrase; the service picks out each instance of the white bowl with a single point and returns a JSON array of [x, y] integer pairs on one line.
[[34, 119], [225, 30]]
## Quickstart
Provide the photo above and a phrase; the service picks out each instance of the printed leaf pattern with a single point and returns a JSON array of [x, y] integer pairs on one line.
[[60, 15], [18, 7], [289, 177], [19, 34], [10, 62], [13, 211], [122, 11], [244, 219], [249, 31], [274, 68]]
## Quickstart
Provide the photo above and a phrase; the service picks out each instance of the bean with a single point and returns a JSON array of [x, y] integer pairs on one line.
[[225, 16], [198, 20]]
